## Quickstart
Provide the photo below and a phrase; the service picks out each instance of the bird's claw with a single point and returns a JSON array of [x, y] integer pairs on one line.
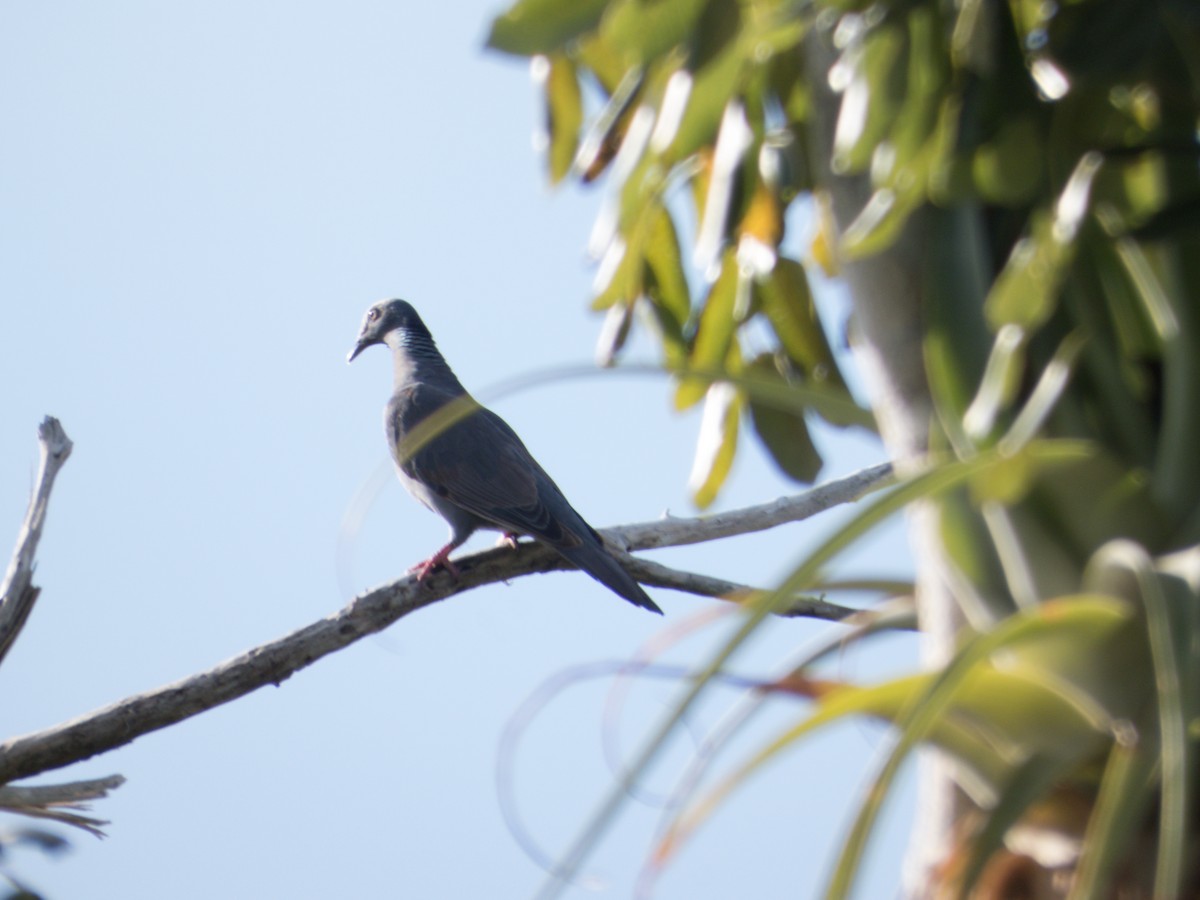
[[440, 560], [508, 539]]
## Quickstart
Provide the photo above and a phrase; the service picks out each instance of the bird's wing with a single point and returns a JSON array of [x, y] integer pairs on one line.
[[480, 465]]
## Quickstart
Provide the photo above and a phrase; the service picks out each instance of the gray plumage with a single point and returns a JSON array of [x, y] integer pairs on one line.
[[475, 473]]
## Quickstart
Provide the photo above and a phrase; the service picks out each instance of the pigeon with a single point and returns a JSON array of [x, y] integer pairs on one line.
[[475, 473]]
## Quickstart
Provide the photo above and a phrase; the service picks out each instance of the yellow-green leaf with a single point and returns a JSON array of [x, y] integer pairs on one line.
[[564, 115], [645, 31], [783, 430], [715, 334], [530, 27], [666, 262], [788, 304], [717, 443]]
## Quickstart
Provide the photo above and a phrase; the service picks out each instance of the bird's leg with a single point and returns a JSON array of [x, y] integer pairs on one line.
[[438, 560], [508, 539]]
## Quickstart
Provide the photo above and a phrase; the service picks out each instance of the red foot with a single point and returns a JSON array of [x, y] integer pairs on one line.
[[439, 560]]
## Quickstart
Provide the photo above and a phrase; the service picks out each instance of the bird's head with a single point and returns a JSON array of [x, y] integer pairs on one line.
[[385, 318]]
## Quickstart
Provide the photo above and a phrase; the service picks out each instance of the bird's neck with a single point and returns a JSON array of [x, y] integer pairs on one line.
[[415, 358]]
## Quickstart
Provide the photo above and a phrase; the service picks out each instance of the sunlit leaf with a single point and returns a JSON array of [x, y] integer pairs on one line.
[[717, 443], [1027, 714], [543, 26], [869, 74], [605, 63], [922, 717], [734, 139], [878, 224], [564, 115], [645, 31], [606, 134], [715, 79], [1001, 378], [763, 219], [926, 74], [1027, 290], [824, 240], [715, 333], [666, 261]]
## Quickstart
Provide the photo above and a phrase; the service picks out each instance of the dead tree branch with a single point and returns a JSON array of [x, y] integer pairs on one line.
[[18, 593], [121, 722]]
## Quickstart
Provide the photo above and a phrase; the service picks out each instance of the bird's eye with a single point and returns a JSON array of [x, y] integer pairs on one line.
[[372, 315]]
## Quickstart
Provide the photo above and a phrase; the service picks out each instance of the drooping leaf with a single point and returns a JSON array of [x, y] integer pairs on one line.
[[1026, 292], [869, 74], [564, 115], [788, 304], [645, 31], [715, 334], [530, 27], [605, 135], [716, 444], [783, 430], [716, 77], [665, 259]]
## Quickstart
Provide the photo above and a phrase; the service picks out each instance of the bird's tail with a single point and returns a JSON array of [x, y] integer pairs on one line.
[[604, 567]]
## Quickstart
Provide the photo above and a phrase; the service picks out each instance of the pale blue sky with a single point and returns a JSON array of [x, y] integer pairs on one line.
[[197, 202]]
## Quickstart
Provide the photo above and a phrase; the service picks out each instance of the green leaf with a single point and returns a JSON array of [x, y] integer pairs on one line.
[[1026, 292], [717, 443], [604, 137], [530, 27], [625, 285], [783, 430], [666, 262], [1008, 170], [1116, 818], [715, 334], [647, 29], [714, 80], [931, 484], [564, 115], [951, 684], [873, 71], [788, 304], [925, 80], [879, 223]]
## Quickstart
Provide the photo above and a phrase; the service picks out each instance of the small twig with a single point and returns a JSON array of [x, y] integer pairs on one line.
[[657, 575], [51, 801], [18, 594], [671, 532], [120, 723]]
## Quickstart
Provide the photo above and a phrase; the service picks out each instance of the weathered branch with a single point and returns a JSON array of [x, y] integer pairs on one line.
[[18, 594], [120, 723], [657, 575]]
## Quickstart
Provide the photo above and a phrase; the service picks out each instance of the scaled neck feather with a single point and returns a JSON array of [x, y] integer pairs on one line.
[[416, 359]]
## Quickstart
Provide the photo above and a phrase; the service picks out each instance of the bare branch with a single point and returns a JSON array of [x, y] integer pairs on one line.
[[120, 723], [18, 594], [670, 532], [657, 575]]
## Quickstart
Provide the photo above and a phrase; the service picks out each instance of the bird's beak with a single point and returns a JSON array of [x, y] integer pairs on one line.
[[363, 344]]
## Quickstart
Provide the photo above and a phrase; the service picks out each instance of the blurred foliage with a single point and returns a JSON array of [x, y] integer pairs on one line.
[[1051, 150], [46, 841]]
